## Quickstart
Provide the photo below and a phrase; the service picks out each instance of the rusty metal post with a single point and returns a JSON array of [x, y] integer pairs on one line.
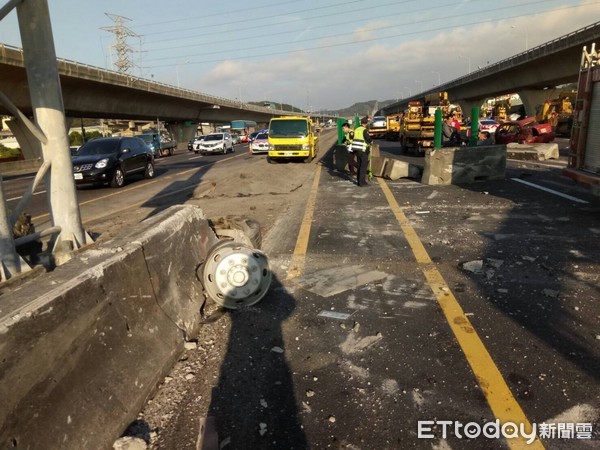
[[48, 108]]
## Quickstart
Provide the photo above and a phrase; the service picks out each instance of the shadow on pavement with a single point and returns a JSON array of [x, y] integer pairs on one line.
[[254, 405]]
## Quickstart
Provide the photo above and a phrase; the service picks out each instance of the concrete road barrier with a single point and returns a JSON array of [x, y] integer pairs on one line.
[[82, 348], [461, 165], [532, 152], [396, 169], [20, 167]]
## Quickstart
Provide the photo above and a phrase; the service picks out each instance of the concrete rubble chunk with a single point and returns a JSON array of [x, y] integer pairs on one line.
[[277, 349], [496, 263], [475, 266], [190, 345], [550, 293], [262, 428], [130, 443]]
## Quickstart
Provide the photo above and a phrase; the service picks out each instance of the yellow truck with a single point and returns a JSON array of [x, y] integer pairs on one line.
[[292, 137], [393, 127]]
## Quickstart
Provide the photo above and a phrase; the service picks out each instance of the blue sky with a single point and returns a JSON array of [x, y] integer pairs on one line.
[[325, 54]]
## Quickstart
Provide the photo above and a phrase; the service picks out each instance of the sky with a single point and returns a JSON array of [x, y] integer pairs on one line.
[[318, 55]]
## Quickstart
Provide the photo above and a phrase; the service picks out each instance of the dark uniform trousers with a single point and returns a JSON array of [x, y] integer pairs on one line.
[[363, 164]]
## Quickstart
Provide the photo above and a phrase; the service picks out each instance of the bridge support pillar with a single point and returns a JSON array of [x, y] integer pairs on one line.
[[466, 106], [532, 98], [183, 132]]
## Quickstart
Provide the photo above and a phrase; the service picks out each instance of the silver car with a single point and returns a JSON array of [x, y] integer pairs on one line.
[[215, 143]]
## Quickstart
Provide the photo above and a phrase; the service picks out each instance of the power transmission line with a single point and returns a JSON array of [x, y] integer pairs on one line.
[[273, 16], [287, 31], [396, 25], [218, 14], [387, 37]]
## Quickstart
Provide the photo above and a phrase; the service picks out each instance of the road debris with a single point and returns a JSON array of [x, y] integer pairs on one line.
[[334, 315], [550, 293], [263, 428], [130, 443]]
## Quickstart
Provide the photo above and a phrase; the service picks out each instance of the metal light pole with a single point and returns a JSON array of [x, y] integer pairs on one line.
[[468, 58], [177, 69], [48, 110], [439, 77], [420, 85]]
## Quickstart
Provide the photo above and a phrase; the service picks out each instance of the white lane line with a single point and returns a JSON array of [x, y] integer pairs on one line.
[[19, 198], [551, 191], [196, 157]]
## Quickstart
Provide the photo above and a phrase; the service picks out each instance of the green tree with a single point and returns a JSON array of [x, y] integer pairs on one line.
[[75, 138]]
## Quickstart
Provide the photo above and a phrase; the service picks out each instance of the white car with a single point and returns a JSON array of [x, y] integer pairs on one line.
[[193, 144], [215, 143]]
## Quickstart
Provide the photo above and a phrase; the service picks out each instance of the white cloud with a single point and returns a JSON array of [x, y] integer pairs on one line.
[[385, 69]]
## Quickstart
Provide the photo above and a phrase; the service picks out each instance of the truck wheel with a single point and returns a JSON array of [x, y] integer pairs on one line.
[[271, 160], [118, 179], [149, 172], [307, 160], [171, 151]]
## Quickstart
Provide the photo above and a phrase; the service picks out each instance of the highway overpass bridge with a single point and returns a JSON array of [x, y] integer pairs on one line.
[[92, 92], [533, 74]]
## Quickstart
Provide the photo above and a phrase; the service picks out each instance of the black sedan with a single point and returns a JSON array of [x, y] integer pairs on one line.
[[112, 160]]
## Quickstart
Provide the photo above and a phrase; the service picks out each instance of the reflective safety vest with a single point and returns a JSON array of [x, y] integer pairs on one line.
[[348, 139], [359, 144]]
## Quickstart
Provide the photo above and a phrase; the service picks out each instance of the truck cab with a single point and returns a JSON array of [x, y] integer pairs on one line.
[[292, 137]]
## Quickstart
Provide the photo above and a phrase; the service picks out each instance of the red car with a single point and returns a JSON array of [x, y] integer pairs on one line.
[[524, 131]]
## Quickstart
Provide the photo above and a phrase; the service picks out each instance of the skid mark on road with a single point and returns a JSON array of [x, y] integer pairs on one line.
[[494, 387]]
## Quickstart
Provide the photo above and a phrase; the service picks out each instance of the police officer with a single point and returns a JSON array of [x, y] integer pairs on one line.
[[348, 138], [360, 148]]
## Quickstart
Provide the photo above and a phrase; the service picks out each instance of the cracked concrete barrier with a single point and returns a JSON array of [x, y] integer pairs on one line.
[[463, 165], [82, 348], [532, 152]]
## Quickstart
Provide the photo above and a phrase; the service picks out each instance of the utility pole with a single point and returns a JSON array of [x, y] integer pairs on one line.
[[123, 63]]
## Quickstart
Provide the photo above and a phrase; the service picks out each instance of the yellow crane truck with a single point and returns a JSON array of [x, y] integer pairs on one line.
[[292, 137], [418, 124]]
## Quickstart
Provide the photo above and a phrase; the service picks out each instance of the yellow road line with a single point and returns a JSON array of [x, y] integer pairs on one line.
[[503, 404], [299, 255]]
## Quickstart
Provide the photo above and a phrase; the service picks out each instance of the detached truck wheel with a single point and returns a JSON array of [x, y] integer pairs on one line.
[[235, 276]]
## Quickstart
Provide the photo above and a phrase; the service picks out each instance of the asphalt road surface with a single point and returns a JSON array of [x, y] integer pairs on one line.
[[399, 313]]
